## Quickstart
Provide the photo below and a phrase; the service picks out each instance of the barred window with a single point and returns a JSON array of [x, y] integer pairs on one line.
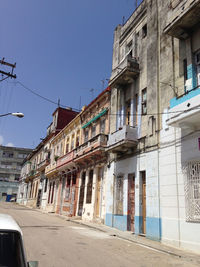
[[192, 191], [119, 182]]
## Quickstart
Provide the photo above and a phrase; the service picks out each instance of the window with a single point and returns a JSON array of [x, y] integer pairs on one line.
[[144, 101], [93, 130], [192, 191], [22, 156], [52, 194], [77, 140], [45, 187], [72, 143], [17, 176], [4, 177], [67, 189], [67, 146], [102, 125], [89, 187], [11, 252], [129, 48], [7, 154], [128, 112], [86, 133], [185, 72], [119, 182], [7, 165], [136, 109], [144, 31], [197, 61]]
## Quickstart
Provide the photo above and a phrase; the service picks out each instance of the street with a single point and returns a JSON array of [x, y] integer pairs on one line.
[[55, 242]]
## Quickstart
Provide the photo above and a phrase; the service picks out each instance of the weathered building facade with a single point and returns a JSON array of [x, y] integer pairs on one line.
[[131, 157], [179, 153], [11, 159], [91, 158], [133, 183]]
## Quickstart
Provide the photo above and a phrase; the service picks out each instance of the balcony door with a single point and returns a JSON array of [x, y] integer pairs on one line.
[[131, 202]]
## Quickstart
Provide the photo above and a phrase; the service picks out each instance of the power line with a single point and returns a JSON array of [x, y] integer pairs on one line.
[[112, 114]]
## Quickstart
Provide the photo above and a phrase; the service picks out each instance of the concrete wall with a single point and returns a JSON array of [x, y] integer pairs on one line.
[[145, 162], [178, 147]]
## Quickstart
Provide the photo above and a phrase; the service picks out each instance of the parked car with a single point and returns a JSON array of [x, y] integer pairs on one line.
[[13, 199], [12, 252]]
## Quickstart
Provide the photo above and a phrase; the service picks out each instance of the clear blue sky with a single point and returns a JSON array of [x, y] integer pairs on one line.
[[62, 49]]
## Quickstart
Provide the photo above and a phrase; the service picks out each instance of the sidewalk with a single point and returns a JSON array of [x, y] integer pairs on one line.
[[188, 256], [140, 240]]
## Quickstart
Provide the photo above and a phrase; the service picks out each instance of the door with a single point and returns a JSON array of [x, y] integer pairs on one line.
[[131, 203], [39, 198], [144, 202], [62, 194], [98, 199], [81, 195]]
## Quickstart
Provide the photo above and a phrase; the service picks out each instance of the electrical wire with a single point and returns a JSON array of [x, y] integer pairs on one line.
[[112, 114]]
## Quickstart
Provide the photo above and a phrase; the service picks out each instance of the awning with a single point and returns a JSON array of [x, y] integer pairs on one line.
[[95, 118]]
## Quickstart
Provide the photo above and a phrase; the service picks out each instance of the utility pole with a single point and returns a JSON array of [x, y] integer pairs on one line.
[[7, 74]]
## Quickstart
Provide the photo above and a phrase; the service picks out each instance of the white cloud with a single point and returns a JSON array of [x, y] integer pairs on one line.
[[10, 144], [1, 140]]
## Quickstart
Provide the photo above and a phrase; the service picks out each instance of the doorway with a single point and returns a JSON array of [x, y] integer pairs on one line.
[[131, 203], [81, 194], [99, 192], [143, 188]]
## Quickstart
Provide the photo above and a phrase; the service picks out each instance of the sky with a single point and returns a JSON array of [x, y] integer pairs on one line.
[[62, 50]]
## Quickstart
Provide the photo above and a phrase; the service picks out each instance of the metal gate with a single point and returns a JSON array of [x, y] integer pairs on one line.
[[192, 191]]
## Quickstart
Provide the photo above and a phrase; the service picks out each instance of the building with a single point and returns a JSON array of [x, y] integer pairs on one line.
[[11, 159], [34, 183], [180, 143], [90, 158], [153, 171], [133, 183], [68, 174]]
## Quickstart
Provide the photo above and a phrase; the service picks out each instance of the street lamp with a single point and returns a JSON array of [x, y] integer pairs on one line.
[[17, 114]]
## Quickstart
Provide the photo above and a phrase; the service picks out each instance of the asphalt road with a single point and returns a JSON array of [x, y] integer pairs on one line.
[[55, 242]]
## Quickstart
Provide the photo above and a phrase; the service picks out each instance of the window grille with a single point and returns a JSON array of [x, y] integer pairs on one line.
[[192, 191], [119, 182]]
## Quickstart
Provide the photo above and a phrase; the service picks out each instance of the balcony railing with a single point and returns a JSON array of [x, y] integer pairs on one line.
[[65, 159], [123, 139], [125, 71], [95, 142], [185, 110], [183, 15], [43, 164]]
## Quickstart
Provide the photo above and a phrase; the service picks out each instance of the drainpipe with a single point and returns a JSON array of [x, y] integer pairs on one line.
[[177, 190], [114, 177], [158, 109]]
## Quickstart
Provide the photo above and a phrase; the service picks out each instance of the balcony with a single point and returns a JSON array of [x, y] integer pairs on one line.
[[123, 139], [31, 175], [91, 149], [67, 159], [126, 71], [182, 17], [41, 166], [185, 110], [51, 169]]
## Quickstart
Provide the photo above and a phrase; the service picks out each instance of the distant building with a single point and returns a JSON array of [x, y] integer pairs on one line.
[[11, 159]]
